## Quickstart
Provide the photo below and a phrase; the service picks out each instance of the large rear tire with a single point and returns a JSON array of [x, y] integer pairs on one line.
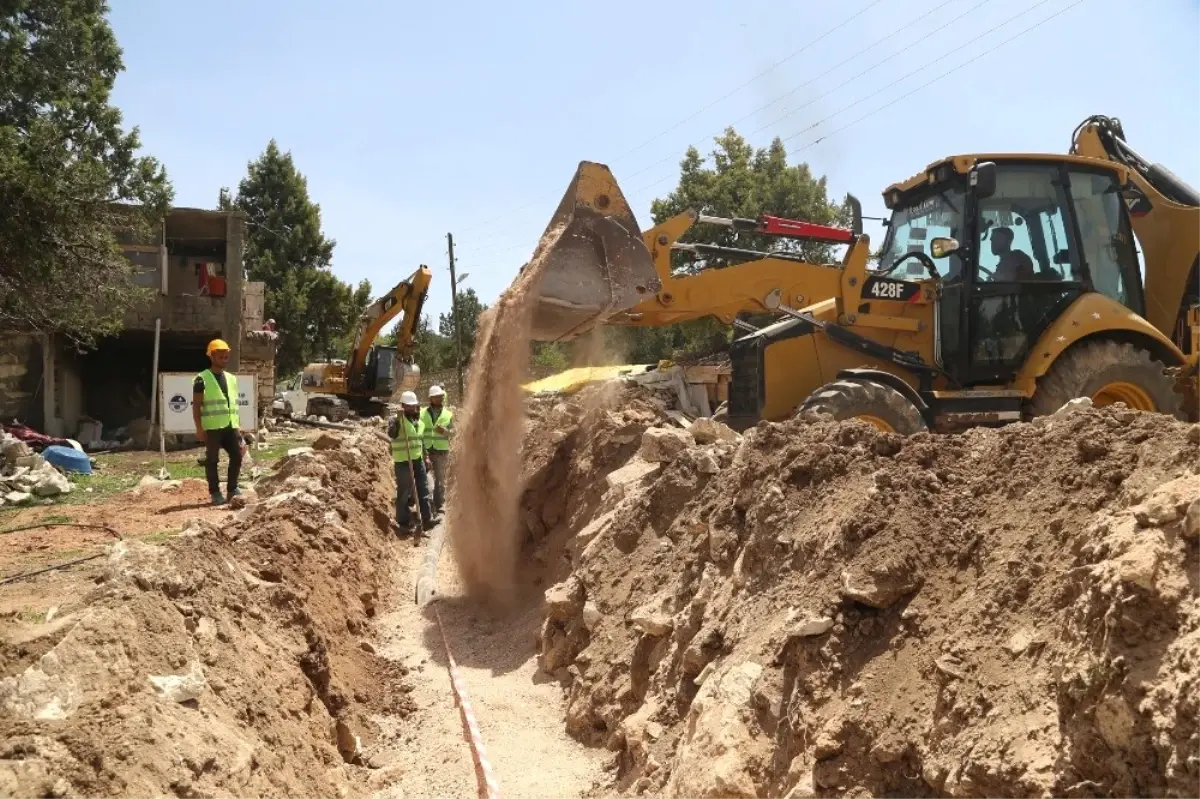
[[1107, 372], [881, 406]]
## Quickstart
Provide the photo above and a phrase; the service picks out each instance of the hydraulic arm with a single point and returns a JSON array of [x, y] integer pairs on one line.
[[1165, 213]]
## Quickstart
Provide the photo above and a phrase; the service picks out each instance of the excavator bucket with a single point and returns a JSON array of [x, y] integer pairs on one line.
[[591, 259]]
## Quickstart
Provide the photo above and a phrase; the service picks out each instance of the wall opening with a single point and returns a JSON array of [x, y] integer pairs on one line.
[[116, 375]]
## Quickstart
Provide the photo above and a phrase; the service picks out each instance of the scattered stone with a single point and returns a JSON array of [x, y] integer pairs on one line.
[[294, 451], [17, 497], [591, 615], [51, 483], [327, 441], [818, 625], [663, 444], [180, 687], [707, 431], [878, 590], [653, 618], [564, 600]]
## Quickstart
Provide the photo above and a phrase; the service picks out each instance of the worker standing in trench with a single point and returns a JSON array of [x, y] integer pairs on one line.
[[406, 430], [438, 421], [215, 413]]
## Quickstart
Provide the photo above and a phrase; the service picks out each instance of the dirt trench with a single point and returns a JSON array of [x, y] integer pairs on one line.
[[279, 653], [519, 711], [821, 609]]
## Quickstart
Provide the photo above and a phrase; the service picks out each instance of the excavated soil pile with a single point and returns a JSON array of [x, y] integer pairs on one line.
[[819, 608], [228, 662]]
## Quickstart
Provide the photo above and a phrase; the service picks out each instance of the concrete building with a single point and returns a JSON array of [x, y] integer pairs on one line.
[[194, 265]]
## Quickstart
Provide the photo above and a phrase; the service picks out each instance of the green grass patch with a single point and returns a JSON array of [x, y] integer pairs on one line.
[[277, 449], [101, 483], [160, 536]]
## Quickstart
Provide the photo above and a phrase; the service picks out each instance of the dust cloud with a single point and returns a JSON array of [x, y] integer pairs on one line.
[[485, 465]]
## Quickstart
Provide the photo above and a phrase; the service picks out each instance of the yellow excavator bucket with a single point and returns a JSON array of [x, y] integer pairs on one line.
[[598, 264]]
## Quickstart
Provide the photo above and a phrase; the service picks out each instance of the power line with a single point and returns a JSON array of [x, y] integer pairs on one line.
[[860, 74], [470, 247], [907, 94], [766, 71], [940, 58], [943, 75], [695, 114], [840, 86]]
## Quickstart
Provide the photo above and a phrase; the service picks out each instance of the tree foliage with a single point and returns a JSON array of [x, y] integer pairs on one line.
[[736, 181], [70, 177], [315, 312], [434, 349], [469, 309]]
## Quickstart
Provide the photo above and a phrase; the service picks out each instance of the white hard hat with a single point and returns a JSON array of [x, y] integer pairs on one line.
[[435, 391], [408, 398]]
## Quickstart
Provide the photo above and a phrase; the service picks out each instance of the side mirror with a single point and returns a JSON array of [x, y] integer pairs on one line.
[[983, 180], [856, 217], [942, 246]]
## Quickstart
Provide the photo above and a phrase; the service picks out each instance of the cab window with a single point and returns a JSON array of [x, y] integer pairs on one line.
[[914, 227], [1105, 236], [1023, 229]]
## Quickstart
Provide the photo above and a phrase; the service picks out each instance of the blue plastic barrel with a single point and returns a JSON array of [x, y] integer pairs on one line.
[[68, 459]]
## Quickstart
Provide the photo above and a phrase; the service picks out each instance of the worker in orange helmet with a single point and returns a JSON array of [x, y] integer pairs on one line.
[[215, 413]]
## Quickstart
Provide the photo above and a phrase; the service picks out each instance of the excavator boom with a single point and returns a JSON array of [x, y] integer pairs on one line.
[[1165, 214], [408, 296]]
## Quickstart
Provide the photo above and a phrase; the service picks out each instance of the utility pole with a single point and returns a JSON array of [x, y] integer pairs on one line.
[[454, 316]]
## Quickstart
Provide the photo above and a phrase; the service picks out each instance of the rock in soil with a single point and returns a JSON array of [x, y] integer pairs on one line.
[[834, 610], [226, 661]]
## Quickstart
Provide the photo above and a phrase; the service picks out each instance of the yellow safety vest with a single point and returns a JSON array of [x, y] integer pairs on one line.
[[218, 411], [434, 440], [416, 434]]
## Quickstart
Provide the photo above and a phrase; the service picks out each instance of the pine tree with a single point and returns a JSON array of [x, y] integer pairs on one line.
[[286, 249]]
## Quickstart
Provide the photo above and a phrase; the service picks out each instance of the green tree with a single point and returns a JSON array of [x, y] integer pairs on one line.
[[70, 177], [332, 318], [744, 182], [431, 351], [286, 249], [553, 356], [740, 182], [469, 309]]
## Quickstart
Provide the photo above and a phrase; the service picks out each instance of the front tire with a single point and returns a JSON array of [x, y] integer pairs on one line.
[[1107, 372], [880, 406]]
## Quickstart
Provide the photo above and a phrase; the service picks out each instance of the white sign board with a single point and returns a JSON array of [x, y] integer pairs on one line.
[[175, 397]]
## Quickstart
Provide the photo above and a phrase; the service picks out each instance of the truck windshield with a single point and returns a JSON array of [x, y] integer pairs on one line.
[[915, 225]]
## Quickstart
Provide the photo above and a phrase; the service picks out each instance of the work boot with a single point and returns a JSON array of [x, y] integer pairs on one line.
[[216, 498]]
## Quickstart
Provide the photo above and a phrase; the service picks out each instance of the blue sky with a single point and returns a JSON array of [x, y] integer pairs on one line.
[[411, 120]]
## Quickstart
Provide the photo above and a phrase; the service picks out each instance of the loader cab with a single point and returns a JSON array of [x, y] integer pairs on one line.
[[1016, 241]]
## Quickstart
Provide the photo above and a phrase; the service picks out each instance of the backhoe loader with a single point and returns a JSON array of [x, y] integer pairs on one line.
[[374, 372], [1008, 284]]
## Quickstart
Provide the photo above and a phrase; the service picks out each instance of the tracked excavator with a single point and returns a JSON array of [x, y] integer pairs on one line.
[[1007, 285], [373, 372]]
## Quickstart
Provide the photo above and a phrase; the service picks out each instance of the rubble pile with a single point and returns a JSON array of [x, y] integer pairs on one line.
[[821, 609], [229, 661], [25, 475]]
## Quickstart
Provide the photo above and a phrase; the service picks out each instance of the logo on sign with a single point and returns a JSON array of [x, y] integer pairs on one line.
[[178, 403]]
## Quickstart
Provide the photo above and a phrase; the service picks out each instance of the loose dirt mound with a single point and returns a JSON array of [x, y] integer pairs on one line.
[[225, 663], [823, 609]]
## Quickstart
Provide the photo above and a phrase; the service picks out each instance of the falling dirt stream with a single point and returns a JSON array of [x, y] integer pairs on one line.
[[520, 711]]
